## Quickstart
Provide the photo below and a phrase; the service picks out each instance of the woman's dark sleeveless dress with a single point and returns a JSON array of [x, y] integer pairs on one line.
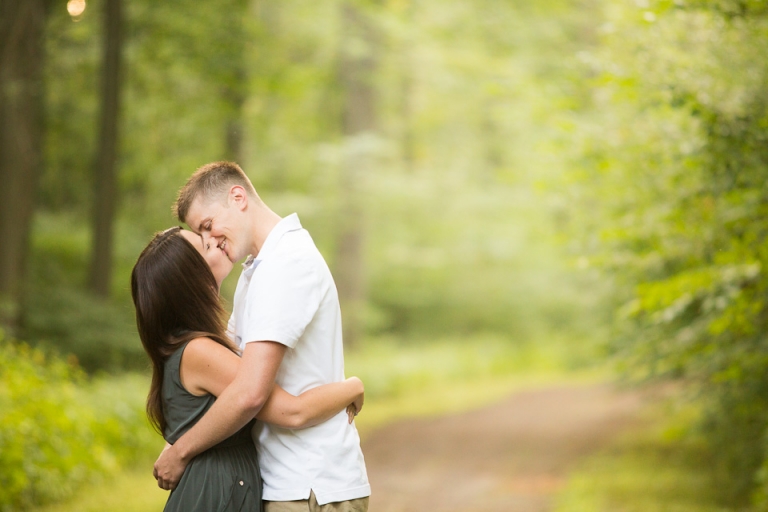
[[224, 478]]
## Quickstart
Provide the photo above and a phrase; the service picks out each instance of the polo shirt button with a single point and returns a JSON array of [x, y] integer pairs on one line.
[[241, 482]]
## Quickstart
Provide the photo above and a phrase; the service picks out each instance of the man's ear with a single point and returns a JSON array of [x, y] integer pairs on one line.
[[238, 196]]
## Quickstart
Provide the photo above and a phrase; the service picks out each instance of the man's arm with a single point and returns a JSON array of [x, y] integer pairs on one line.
[[240, 402]]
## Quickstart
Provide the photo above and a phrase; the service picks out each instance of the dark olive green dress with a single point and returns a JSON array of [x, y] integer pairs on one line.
[[224, 478]]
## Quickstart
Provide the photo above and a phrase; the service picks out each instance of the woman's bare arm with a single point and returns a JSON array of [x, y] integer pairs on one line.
[[313, 406], [208, 367]]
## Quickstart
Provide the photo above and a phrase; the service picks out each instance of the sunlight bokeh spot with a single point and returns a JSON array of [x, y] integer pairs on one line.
[[76, 8]]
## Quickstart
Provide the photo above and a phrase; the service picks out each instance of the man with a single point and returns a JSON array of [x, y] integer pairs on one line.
[[287, 322]]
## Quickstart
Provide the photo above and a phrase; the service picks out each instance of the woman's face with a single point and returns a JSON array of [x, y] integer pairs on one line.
[[216, 258]]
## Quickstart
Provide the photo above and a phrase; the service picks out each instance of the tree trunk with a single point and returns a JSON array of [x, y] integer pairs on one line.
[[272, 23], [105, 179], [22, 27], [407, 86], [234, 88], [358, 63]]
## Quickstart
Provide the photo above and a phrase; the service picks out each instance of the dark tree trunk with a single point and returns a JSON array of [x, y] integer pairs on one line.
[[234, 89], [22, 27], [358, 64], [105, 171]]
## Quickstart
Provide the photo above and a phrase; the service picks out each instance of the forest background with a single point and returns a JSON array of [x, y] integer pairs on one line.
[[503, 181]]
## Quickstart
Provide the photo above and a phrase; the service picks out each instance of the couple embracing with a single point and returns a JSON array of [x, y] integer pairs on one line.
[[256, 412]]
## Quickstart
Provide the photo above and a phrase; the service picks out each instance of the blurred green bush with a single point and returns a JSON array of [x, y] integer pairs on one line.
[[62, 314], [673, 205], [57, 429]]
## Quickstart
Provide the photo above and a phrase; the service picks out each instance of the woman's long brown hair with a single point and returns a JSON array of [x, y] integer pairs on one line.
[[176, 299]]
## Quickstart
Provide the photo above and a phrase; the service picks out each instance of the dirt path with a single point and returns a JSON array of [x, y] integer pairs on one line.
[[512, 456]]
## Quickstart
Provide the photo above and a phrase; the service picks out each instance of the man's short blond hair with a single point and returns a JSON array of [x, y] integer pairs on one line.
[[208, 182]]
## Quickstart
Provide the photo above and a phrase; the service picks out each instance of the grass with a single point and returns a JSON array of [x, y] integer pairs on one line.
[[661, 467], [403, 379], [131, 490]]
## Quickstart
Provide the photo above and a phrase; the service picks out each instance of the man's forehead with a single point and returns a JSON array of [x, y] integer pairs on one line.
[[199, 211]]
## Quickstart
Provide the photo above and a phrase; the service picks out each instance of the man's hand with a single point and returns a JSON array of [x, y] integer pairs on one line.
[[169, 468]]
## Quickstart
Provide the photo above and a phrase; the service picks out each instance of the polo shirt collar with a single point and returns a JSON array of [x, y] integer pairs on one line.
[[286, 224]]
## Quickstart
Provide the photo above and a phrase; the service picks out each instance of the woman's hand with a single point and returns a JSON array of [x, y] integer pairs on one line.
[[355, 407]]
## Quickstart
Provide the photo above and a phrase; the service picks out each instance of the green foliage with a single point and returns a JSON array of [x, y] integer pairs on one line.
[[458, 237], [674, 157], [100, 334], [57, 430], [61, 314]]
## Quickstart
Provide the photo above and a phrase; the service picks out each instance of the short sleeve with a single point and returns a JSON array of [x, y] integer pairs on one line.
[[231, 332], [283, 297]]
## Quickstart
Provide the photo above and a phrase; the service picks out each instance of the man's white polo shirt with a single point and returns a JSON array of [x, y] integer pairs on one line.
[[287, 294]]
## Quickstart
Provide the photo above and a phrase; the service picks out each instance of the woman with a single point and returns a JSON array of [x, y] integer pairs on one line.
[[175, 287]]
